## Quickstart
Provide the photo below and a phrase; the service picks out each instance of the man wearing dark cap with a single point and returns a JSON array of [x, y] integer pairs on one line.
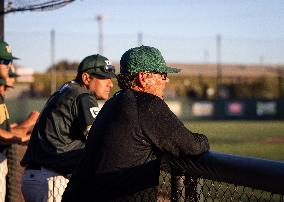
[[131, 133], [59, 136]]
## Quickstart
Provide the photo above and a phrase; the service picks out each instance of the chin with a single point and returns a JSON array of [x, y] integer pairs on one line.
[[103, 98], [160, 96]]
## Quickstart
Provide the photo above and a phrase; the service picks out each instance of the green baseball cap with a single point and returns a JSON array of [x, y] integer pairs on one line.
[[144, 59], [6, 51], [97, 65]]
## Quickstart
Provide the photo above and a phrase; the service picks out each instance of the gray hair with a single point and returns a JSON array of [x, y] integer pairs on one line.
[[126, 81]]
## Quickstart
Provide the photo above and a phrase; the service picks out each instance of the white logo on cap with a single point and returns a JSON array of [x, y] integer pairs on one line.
[[108, 62], [9, 49]]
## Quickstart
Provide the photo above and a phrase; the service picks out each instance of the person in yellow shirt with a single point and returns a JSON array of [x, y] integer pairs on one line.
[[8, 135]]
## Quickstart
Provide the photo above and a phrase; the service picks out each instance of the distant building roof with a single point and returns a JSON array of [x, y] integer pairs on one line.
[[228, 70]]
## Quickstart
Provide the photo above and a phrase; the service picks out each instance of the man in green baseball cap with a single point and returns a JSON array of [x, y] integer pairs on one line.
[[130, 135], [59, 136], [146, 62], [8, 135]]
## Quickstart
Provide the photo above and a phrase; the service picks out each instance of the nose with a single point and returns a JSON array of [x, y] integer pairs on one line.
[[110, 84], [167, 80]]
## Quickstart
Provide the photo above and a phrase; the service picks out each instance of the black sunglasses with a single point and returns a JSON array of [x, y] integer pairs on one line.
[[163, 75], [107, 68], [5, 62]]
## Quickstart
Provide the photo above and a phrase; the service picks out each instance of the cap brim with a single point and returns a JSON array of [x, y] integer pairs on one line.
[[9, 58], [172, 70], [108, 75]]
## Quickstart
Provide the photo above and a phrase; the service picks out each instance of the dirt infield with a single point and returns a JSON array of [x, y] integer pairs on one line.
[[275, 140]]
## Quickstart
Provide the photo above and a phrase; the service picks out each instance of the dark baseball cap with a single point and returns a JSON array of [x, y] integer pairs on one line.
[[6, 51], [97, 65], [144, 59]]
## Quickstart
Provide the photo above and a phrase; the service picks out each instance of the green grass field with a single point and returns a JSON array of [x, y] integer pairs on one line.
[[262, 139]]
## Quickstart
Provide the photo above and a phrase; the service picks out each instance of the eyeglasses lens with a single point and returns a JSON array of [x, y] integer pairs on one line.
[[109, 68], [164, 76]]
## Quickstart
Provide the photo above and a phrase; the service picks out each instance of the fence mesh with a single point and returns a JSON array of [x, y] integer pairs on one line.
[[190, 189], [15, 173], [11, 6], [172, 188]]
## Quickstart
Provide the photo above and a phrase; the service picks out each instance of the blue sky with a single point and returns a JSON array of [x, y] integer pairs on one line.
[[185, 31]]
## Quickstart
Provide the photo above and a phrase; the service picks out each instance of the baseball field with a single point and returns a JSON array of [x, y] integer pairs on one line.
[[261, 139]]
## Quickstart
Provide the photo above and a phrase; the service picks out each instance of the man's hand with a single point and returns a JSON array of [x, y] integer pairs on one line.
[[20, 131], [30, 121], [13, 125], [24, 129], [21, 138], [25, 139], [33, 116]]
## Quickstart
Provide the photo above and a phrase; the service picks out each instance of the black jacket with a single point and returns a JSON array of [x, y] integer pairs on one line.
[[59, 136], [125, 146]]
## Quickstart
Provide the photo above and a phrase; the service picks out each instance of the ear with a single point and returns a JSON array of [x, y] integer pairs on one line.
[[142, 79], [86, 78]]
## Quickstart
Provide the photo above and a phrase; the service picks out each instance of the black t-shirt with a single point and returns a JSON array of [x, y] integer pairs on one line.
[[4, 122], [125, 144], [59, 136]]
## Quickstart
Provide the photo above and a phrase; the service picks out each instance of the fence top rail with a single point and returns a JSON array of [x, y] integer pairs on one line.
[[256, 173]]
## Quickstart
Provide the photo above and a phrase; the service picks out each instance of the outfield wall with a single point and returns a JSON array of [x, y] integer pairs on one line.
[[221, 109], [197, 109]]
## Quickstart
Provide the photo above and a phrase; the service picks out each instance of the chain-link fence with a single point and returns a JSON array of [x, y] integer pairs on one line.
[[181, 188], [190, 189], [15, 173], [15, 153], [11, 6]]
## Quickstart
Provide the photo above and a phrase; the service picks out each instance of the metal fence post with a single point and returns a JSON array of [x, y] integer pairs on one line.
[[184, 188], [178, 188], [191, 191]]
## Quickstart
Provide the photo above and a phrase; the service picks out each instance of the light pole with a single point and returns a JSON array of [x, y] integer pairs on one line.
[[218, 64], [206, 56], [53, 67], [2, 19], [140, 38], [100, 19]]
